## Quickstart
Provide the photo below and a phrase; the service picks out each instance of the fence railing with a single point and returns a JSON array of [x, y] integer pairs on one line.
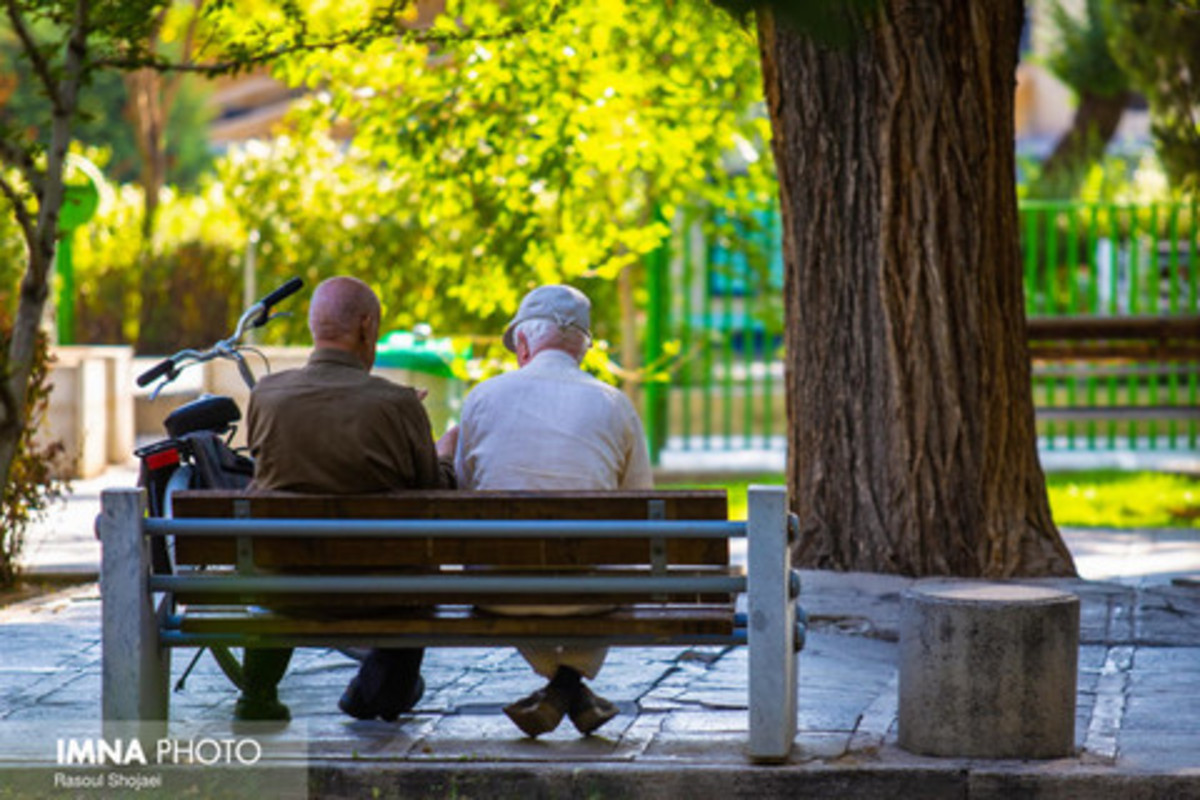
[[716, 293]]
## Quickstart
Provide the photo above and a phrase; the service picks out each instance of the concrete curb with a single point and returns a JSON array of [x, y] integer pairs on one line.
[[558, 780]]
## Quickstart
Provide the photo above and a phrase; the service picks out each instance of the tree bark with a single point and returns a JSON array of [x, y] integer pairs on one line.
[[912, 442], [1082, 145], [147, 114]]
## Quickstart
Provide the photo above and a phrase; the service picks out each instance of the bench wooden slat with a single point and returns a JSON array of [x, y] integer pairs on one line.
[[351, 553], [396, 600], [392, 600], [428, 504], [1117, 413], [716, 620], [280, 553]]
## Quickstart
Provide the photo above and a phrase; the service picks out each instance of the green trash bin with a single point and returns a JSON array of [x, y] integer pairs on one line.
[[416, 358]]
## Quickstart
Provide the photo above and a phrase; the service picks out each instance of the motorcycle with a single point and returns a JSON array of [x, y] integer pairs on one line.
[[197, 452]]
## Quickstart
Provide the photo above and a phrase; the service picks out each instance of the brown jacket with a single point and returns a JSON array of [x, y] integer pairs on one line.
[[331, 426]]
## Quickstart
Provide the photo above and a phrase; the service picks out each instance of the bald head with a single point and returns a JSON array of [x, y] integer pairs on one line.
[[344, 315]]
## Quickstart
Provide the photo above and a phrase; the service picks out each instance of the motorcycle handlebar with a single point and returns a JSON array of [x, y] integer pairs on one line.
[[163, 367], [287, 290], [254, 317]]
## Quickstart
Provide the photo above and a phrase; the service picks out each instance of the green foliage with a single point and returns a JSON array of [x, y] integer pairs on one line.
[[1124, 178], [31, 484], [12, 255], [1113, 499], [1100, 498], [1157, 42], [478, 169], [103, 121], [1081, 56], [319, 210], [198, 247]]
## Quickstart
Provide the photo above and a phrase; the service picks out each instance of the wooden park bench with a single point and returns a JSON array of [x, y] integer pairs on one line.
[[410, 569], [1152, 347]]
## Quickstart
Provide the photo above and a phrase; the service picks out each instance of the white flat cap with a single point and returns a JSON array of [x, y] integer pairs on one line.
[[565, 306]]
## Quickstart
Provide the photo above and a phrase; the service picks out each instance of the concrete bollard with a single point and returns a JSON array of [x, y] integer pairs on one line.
[[988, 670]]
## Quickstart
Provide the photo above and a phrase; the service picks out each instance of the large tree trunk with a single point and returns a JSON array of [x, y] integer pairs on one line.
[[912, 446]]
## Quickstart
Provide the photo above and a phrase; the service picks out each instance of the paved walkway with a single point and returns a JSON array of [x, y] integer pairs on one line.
[[683, 722]]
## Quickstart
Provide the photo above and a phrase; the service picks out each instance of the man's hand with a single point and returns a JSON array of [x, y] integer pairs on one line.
[[448, 443]]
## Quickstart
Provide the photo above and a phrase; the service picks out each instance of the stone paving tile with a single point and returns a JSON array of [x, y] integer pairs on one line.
[[1162, 712], [1169, 615], [707, 747], [1161, 750], [829, 712], [1091, 657], [1177, 661], [825, 745], [1184, 682], [706, 721], [494, 737]]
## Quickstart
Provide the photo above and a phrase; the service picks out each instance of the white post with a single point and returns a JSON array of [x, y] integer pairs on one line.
[[135, 669], [772, 621]]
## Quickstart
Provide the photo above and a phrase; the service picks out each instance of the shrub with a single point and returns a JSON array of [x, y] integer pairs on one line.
[[32, 484]]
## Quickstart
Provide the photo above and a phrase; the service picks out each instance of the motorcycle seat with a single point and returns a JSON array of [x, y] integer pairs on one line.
[[209, 412]]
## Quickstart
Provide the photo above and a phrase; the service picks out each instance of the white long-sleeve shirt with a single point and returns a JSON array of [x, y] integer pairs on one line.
[[550, 426]]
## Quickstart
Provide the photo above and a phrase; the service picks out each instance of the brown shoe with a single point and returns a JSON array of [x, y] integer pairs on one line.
[[540, 712], [589, 710]]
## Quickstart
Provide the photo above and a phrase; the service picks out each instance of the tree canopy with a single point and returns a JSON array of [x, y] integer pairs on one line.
[[474, 167], [1157, 43]]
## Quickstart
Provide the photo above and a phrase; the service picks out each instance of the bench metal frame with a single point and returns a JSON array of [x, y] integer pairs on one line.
[[139, 626]]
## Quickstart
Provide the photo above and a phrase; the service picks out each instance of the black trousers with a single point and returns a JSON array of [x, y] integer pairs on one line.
[[385, 674], [388, 677]]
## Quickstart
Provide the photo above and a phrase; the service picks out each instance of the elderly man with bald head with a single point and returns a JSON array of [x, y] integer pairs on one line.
[[332, 427]]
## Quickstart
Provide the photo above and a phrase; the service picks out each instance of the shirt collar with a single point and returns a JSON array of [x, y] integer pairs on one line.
[[554, 359], [331, 355]]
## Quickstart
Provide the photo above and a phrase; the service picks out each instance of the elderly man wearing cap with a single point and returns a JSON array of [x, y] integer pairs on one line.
[[550, 425]]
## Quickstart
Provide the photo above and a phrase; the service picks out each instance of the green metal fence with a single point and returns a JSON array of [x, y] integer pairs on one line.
[[716, 294]]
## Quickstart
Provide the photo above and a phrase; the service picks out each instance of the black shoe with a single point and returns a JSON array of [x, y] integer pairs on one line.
[[540, 712], [260, 709], [589, 711], [353, 703]]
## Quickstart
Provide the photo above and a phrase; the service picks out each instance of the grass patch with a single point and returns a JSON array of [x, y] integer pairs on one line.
[[1100, 498], [736, 488], [1112, 499]]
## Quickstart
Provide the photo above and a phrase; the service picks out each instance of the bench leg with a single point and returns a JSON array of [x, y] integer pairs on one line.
[[772, 619], [135, 669]]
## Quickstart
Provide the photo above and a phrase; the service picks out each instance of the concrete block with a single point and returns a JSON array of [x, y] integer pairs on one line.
[[118, 361], [988, 670], [78, 411]]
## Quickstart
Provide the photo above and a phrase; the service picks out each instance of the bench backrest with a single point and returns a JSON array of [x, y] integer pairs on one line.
[[337, 554]]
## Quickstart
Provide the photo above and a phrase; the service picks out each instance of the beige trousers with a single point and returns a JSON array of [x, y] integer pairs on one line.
[[546, 660]]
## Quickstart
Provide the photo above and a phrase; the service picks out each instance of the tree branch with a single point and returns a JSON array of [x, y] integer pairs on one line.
[[40, 65], [346, 38]]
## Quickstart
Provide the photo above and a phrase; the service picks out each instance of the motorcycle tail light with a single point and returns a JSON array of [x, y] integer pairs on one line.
[[163, 458]]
